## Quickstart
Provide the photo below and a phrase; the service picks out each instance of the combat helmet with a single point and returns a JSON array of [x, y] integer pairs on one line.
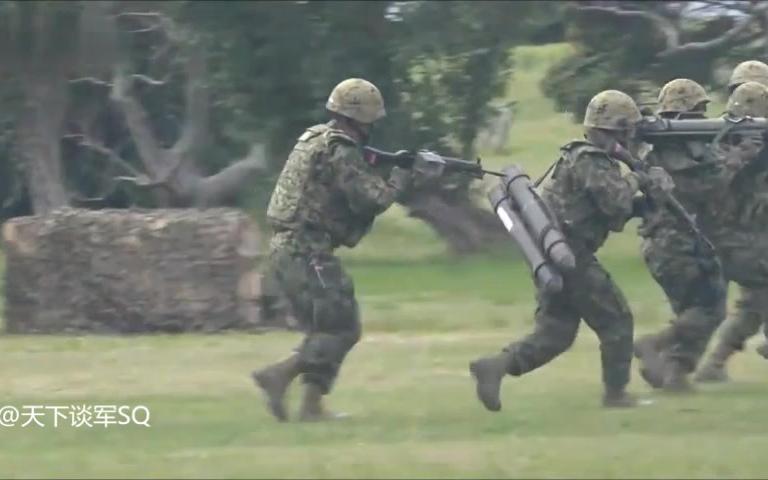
[[612, 110], [357, 99], [749, 71], [681, 95], [749, 99]]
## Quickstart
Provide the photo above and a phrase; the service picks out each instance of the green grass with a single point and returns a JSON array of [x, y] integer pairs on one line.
[[426, 315], [414, 410]]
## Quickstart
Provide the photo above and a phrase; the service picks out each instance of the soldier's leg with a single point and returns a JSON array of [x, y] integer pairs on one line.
[[285, 274], [334, 332], [604, 308], [706, 308], [557, 323], [750, 314], [648, 348], [696, 291]]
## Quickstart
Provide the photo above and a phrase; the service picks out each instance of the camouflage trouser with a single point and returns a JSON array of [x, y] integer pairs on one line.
[[745, 261], [751, 314], [322, 297], [695, 288], [589, 293]]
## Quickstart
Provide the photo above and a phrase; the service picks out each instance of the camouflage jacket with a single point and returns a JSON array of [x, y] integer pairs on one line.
[[746, 204], [326, 195], [702, 178], [589, 196]]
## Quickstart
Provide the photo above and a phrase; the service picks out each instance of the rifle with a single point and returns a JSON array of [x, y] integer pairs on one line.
[[652, 128], [670, 201], [406, 159]]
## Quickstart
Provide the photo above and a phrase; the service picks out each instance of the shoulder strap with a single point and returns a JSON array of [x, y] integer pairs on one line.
[[548, 171], [567, 150]]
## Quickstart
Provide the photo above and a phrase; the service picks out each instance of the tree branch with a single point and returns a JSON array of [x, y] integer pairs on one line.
[[672, 33], [88, 142], [136, 118], [139, 14], [721, 41], [91, 80], [149, 80], [664, 25], [215, 189], [143, 181], [196, 115]]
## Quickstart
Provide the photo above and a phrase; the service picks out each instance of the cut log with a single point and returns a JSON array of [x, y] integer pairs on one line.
[[133, 271]]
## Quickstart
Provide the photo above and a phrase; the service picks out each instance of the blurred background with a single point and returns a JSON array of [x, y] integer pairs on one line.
[[139, 104]]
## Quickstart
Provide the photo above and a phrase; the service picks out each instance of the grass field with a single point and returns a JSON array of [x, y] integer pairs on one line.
[[426, 316]]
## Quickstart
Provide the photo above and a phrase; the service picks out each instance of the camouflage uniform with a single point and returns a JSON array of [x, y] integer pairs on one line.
[[739, 231], [326, 196], [589, 197], [692, 281]]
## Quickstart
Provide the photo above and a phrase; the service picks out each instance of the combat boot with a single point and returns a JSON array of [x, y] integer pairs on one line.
[[646, 350], [274, 381], [618, 398], [762, 350], [312, 409], [713, 370], [488, 373], [676, 378]]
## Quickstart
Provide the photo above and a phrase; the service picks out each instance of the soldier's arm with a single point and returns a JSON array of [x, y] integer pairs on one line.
[[366, 191], [612, 192]]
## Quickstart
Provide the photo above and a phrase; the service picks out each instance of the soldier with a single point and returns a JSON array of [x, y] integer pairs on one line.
[[325, 197], [749, 71], [741, 235], [691, 280], [590, 197]]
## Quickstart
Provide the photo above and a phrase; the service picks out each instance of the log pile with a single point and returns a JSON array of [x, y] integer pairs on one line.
[[132, 271]]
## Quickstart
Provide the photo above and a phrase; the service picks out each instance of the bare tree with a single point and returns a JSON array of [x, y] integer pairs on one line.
[[171, 173], [749, 22], [41, 45]]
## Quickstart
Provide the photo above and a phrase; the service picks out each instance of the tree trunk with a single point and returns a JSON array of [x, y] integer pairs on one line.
[[464, 226], [127, 271], [39, 133]]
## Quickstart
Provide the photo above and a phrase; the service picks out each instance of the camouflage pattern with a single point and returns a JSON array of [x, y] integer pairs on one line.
[[325, 197], [691, 280], [681, 95], [322, 298], [749, 71], [748, 99], [357, 99], [742, 242], [751, 315], [589, 197], [611, 110]]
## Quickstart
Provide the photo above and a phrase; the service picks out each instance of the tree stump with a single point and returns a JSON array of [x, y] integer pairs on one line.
[[132, 271]]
